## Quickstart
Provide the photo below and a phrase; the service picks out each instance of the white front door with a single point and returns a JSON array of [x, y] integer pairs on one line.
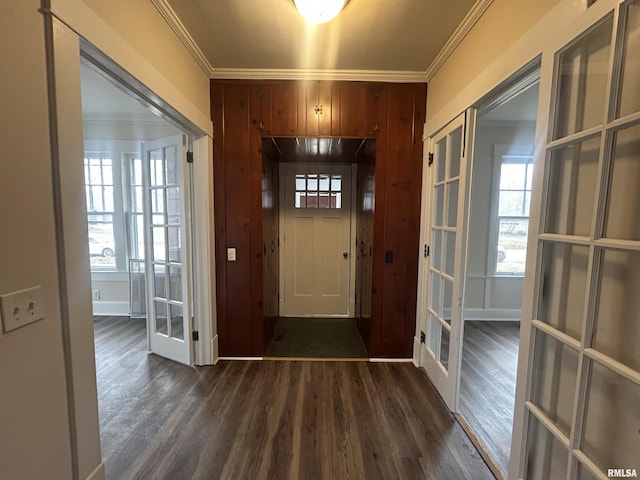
[[167, 265], [443, 265], [317, 246], [578, 393]]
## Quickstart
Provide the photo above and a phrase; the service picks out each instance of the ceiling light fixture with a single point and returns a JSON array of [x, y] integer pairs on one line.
[[319, 11]]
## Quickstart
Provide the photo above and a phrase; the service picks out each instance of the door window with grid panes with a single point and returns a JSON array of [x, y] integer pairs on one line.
[[582, 406]]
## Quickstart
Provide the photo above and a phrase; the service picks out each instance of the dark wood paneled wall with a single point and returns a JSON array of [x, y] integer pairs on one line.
[[245, 112]]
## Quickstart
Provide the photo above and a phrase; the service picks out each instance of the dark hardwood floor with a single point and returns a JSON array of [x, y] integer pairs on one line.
[[488, 383], [270, 419]]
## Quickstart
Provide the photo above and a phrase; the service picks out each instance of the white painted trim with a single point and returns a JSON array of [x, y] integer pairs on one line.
[[493, 314], [389, 76], [183, 34], [353, 248], [458, 35], [250, 359], [281, 238], [116, 309], [416, 350], [203, 258], [215, 350], [391, 360], [98, 473]]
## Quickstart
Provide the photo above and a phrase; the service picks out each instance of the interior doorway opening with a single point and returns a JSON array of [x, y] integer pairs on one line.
[[501, 187], [317, 204]]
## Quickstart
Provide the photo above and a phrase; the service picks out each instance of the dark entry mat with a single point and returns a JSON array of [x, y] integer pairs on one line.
[[317, 337]]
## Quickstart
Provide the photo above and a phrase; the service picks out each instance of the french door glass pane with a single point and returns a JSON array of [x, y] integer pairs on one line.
[[584, 473], [582, 83], [175, 247], [159, 290], [630, 94], [437, 249], [441, 160], [623, 210], [444, 348], [447, 301], [454, 159], [158, 206], [610, 435], [434, 327], [572, 183], [175, 283], [617, 331], [174, 210], [161, 318], [171, 165], [452, 203], [434, 298], [156, 168], [562, 296], [546, 457], [554, 387], [157, 237], [450, 253], [177, 323], [439, 207]]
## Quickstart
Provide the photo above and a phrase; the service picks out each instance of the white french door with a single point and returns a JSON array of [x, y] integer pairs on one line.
[[442, 268], [578, 392], [317, 240], [167, 256]]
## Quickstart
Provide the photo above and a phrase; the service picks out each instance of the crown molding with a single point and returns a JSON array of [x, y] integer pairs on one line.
[[316, 74], [174, 22], [458, 35], [183, 34]]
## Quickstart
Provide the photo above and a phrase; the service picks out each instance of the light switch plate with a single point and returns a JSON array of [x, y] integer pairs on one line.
[[231, 254], [21, 308]]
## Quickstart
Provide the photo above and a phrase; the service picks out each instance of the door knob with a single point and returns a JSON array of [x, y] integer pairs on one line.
[[345, 254]]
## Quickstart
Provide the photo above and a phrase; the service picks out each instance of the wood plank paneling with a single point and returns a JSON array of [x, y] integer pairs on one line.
[[267, 419], [394, 115]]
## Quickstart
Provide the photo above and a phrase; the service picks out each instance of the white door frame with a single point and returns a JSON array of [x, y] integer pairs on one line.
[[446, 379], [352, 241]]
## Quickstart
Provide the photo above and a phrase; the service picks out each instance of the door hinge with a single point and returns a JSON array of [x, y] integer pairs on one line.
[[423, 337], [430, 159], [195, 336], [427, 250], [189, 157]]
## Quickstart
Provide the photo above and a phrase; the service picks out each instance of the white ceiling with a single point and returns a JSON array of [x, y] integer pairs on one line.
[[368, 35]]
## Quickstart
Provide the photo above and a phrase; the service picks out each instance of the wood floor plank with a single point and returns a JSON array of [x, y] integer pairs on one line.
[[270, 419]]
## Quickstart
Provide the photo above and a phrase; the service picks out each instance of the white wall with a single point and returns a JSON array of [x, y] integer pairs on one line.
[[34, 421], [47, 383]]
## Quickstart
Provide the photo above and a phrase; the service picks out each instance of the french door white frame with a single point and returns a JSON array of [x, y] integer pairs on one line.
[[432, 321], [533, 327]]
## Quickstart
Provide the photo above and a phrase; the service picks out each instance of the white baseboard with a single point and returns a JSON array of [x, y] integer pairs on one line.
[[496, 314], [391, 360], [98, 473], [111, 308]]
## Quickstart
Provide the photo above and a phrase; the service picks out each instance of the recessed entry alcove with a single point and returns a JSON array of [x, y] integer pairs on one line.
[[318, 207]]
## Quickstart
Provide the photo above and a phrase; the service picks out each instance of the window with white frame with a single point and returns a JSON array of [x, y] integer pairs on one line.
[[114, 194], [99, 192], [514, 201]]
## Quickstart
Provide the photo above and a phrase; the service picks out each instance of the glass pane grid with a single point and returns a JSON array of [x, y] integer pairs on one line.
[[318, 190], [591, 209]]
